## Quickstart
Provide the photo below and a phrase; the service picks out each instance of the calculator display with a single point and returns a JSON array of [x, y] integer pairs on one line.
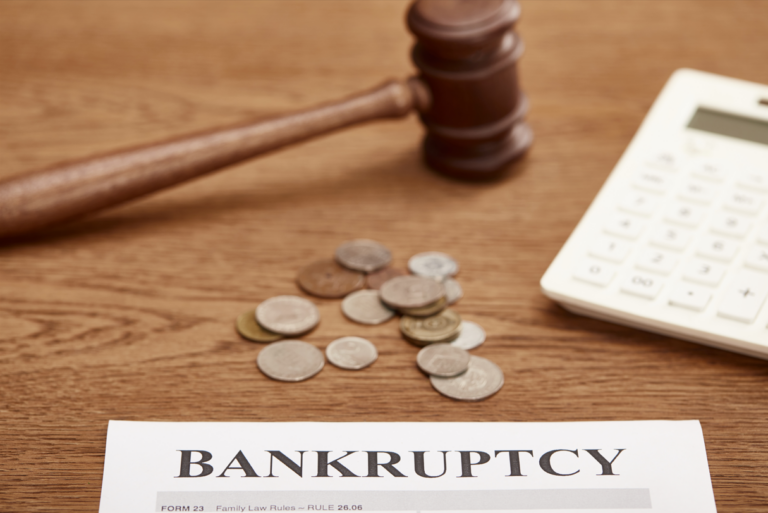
[[731, 125]]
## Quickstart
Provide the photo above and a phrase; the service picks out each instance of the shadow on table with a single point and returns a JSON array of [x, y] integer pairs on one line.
[[402, 174]]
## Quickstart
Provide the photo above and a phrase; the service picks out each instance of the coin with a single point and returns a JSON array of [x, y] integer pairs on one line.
[[453, 291], [287, 315], [365, 307], [421, 343], [363, 255], [376, 279], [433, 264], [351, 353], [471, 336], [411, 292], [425, 311], [442, 327], [442, 360], [290, 360], [482, 379], [249, 329], [326, 278]]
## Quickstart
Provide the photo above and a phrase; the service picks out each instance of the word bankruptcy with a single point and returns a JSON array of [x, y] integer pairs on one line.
[[198, 463]]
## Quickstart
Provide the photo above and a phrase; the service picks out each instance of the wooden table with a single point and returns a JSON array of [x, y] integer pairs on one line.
[[129, 314]]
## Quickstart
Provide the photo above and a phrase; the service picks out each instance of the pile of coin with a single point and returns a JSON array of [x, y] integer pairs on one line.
[[421, 297], [455, 373], [277, 317]]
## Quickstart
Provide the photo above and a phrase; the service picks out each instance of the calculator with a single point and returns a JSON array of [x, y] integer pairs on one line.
[[676, 241]]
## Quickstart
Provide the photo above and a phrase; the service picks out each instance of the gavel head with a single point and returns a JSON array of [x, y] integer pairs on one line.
[[466, 53]]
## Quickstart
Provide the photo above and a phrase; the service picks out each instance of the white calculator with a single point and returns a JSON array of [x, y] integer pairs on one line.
[[676, 241]]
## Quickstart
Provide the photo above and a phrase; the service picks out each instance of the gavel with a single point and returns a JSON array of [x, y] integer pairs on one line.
[[466, 93]]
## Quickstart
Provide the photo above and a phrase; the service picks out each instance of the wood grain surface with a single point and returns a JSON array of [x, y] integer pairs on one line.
[[129, 315]]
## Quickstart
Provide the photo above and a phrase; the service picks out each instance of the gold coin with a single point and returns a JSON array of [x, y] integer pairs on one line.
[[442, 327], [249, 329], [426, 311], [421, 343]]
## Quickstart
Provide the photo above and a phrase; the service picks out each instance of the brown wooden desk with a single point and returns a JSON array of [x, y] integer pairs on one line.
[[129, 315]]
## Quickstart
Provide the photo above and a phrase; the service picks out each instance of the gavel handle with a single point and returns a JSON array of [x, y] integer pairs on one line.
[[36, 200]]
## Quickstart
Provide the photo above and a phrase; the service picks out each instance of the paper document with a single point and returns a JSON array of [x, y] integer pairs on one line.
[[318, 467]]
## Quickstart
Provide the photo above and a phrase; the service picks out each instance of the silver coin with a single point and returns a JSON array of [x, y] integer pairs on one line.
[[363, 255], [442, 360], [411, 292], [471, 336], [365, 307], [433, 264], [290, 360], [482, 379], [287, 315], [453, 291], [351, 353]]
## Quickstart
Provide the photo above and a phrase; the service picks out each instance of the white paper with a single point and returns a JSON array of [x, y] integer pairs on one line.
[[610, 467]]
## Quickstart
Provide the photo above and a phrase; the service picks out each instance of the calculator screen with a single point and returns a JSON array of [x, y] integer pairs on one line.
[[723, 123]]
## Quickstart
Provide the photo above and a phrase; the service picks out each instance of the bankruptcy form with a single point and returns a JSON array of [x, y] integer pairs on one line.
[[310, 467]]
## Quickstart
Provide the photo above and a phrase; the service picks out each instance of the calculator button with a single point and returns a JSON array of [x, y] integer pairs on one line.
[[699, 145], [624, 226], [689, 296], [610, 249], [717, 247], [762, 236], [665, 160], [671, 237], [744, 297], [698, 192], [743, 202], [638, 203], [731, 225], [687, 215], [641, 284], [596, 273], [757, 258], [656, 261], [703, 272], [709, 171], [754, 180], [653, 181]]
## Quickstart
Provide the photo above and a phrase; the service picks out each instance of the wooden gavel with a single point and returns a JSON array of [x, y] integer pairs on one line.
[[466, 93]]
